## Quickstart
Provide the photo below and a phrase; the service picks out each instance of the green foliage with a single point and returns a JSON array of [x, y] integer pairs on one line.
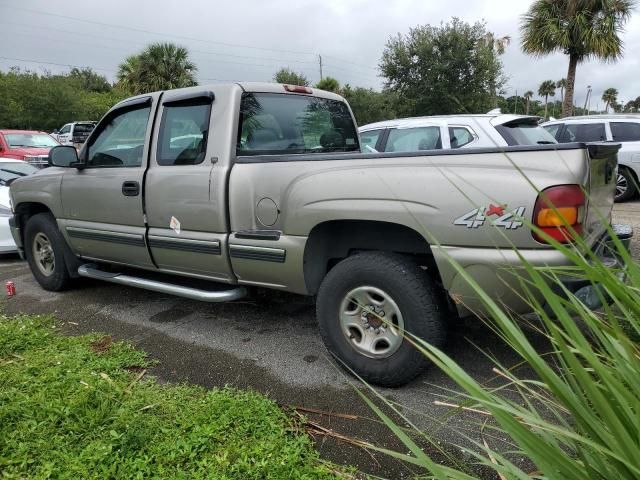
[[45, 102], [289, 77], [579, 29], [161, 66], [70, 407], [370, 106], [442, 70], [329, 84], [570, 409]]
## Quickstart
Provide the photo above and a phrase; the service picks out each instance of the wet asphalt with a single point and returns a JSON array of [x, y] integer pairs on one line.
[[270, 343]]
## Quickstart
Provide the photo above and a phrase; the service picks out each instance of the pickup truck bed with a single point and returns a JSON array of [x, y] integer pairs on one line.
[[264, 185]]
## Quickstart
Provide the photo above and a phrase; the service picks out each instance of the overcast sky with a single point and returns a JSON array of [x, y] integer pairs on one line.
[[251, 39]]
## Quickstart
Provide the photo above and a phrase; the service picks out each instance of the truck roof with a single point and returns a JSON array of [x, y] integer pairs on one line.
[[252, 87]]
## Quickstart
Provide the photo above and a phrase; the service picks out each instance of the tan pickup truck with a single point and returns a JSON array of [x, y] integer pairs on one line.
[[264, 185]]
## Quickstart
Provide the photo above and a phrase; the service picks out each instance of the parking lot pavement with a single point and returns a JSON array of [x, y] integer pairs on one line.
[[269, 343]]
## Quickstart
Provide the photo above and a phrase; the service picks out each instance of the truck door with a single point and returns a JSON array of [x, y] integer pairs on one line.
[[102, 202], [187, 221], [64, 135]]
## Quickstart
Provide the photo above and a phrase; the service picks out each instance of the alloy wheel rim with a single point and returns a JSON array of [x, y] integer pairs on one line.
[[371, 322], [621, 185], [43, 254]]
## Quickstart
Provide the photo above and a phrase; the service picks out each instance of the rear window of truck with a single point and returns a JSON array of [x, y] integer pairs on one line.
[[277, 124], [520, 132]]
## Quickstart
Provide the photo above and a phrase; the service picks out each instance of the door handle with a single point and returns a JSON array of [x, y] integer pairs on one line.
[[131, 189]]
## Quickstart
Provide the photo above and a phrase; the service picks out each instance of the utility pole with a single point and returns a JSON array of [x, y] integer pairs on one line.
[[586, 99], [320, 60]]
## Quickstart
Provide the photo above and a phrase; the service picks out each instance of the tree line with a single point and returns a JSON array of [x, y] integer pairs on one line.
[[451, 68]]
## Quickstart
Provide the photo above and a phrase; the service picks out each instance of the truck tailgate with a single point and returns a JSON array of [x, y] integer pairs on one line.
[[603, 161]]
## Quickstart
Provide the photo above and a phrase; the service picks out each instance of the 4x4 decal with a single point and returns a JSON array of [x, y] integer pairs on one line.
[[476, 217]]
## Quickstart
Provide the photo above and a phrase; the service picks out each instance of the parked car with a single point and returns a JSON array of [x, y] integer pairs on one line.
[[623, 129], [27, 145], [9, 170], [276, 193], [453, 131], [74, 133]]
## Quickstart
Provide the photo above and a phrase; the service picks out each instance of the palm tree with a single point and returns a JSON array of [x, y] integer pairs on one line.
[[581, 29], [546, 89], [562, 85], [610, 97], [161, 66], [527, 96]]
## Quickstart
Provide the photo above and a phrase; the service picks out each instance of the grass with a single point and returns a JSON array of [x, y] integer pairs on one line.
[[574, 413], [79, 407]]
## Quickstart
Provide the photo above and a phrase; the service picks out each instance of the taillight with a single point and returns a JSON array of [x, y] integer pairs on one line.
[[557, 208], [297, 89]]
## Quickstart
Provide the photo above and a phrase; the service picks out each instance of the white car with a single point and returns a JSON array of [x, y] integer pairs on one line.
[[9, 171], [490, 130], [624, 129], [74, 133]]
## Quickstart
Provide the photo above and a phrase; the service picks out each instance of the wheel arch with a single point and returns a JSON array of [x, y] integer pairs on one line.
[[333, 240]]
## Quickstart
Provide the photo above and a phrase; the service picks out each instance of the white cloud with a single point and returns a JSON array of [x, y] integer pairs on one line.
[[350, 35]]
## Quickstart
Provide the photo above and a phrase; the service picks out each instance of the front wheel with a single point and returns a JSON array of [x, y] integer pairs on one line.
[[44, 249], [365, 305]]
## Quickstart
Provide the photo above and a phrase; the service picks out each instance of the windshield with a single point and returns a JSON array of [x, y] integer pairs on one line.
[[525, 133], [273, 123], [11, 170], [43, 140]]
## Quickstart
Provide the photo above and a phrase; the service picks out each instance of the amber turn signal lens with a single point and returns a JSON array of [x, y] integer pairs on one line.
[[548, 217]]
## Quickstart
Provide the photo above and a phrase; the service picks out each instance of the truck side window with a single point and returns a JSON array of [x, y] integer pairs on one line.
[[183, 133], [120, 142], [65, 129], [413, 139]]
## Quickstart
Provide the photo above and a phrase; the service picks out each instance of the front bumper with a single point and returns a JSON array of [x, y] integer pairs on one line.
[[607, 253], [17, 236], [7, 244]]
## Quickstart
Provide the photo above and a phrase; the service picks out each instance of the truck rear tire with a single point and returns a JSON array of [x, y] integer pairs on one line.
[[44, 249], [364, 305]]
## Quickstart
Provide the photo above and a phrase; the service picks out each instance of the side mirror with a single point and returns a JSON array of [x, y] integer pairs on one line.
[[55, 131], [63, 156]]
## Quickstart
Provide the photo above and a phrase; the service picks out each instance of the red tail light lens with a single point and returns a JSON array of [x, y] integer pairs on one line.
[[297, 89], [557, 207]]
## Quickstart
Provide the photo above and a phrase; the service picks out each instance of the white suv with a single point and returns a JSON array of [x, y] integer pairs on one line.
[[453, 131], [624, 129]]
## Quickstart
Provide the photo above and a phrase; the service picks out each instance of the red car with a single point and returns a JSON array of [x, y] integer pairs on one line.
[[28, 145]]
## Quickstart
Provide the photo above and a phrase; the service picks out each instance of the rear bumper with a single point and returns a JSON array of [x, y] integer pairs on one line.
[[499, 272], [607, 253]]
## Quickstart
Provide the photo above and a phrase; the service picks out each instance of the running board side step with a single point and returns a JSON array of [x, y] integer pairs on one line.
[[92, 271]]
